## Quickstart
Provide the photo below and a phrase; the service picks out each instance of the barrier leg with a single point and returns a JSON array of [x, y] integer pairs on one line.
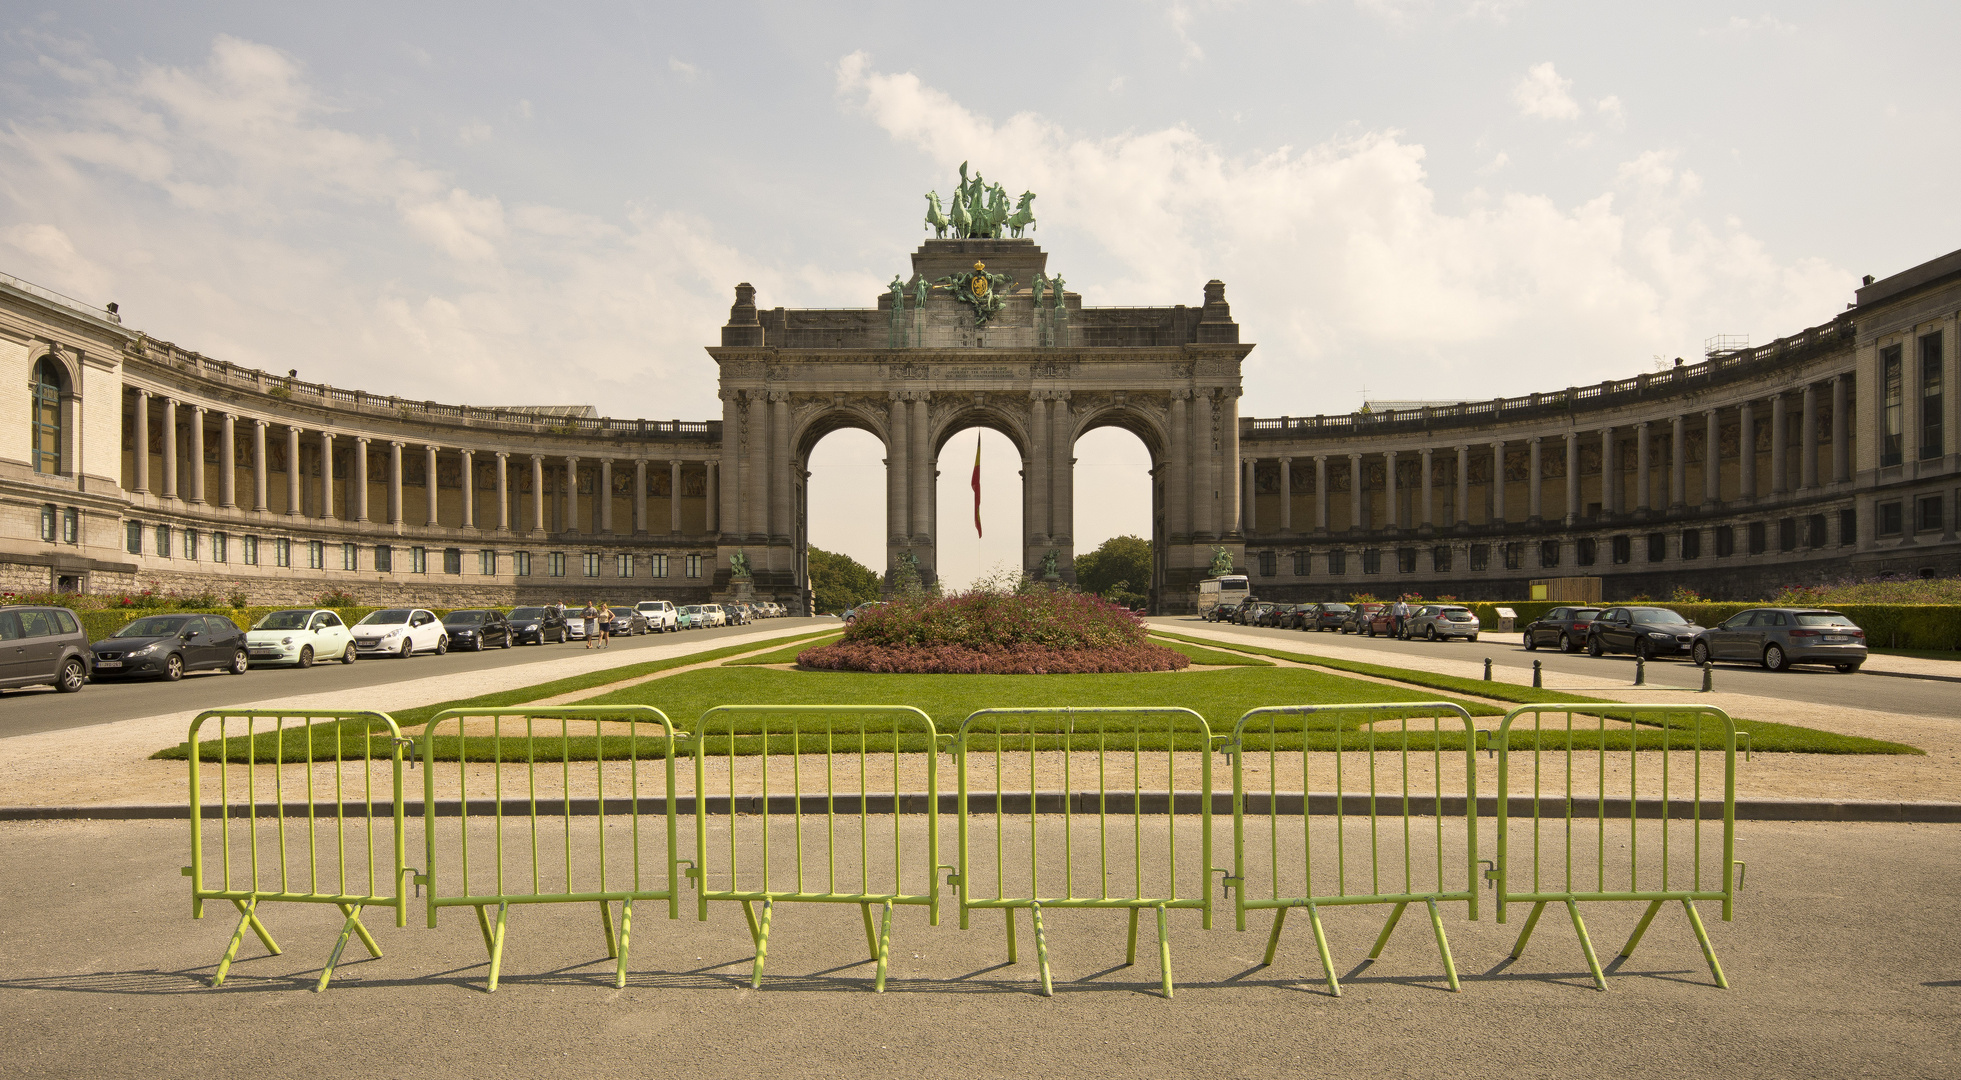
[[871, 936], [1273, 939], [761, 930], [1443, 945], [1641, 928], [1586, 944], [1321, 946], [1041, 950], [1010, 913], [883, 951], [246, 917], [626, 931], [1130, 950], [606, 925], [483, 927], [1382, 939], [497, 947], [1524, 935], [353, 914], [348, 928], [1702, 938], [1164, 949]]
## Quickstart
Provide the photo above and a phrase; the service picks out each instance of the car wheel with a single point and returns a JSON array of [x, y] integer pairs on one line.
[[442, 645], [1531, 643], [347, 655], [73, 676], [1846, 669], [1699, 653], [1473, 639], [306, 656], [240, 663], [1774, 659], [1566, 643], [408, 649], [173, 667], [1430, 634], [1594, 648], [507, 641]]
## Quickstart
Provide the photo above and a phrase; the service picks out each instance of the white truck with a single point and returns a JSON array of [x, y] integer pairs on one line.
[[661, 616], [1228, 590]]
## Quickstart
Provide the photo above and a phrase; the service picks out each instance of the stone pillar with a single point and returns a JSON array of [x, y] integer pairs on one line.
[[1354, 493], [782, 479], [1572, 513], [227, 462], [1286, 495], [1249, 470], [755, 481], [898, 478], [433, 517], [1808, 465], [1498, 483], [1678, 466], [1062, 477], [712, 476], [729, 508], [605, 494], [1178, 474], [1610, 475], [1393, 513], [142, 462], [197, 455], [1534, 485], [1464, 486], [920, 497], [1746, 451], [1428, 521], [468, 461], [537, 493], [1841, 430], [674, 496], [572, 523], [640, 497], [360, 479], [394, 482], [169, 448], [1643, 478], [259, 481], [1321, 494], [1712, 460], [327, 476], [1780, 432], [1229, 448], [292, 471], [503, 491]]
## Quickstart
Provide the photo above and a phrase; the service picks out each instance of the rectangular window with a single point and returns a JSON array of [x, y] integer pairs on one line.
[[190, 544], [452, 560], [316, 555], [1302, 565], [163, 541], [1927, 514], [251, 551], [1338, 562], [694, 566], [282, 551], [1890, 381], [418, 560], [1269, 564], [133, 538], [47, 523], [1848, 526], [1691, 543], [1480, 556], [1371, 560], [384, 558], [1440, 557], [1814, 531], [591, 563], [1725, 541], [1657, 547], [1548, 553], [71, 525], [1586, 550], [487, 563], [218, 552], [1889, 519], [557, 564], [623, 566], [659, 565], [1787, 534], [1757, 534], [350, 557], [521, 563], [1623, 550], [1931, 443], [1515, 556]]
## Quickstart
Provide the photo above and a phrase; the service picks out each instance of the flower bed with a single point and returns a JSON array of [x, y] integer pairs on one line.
[[1039, 633]]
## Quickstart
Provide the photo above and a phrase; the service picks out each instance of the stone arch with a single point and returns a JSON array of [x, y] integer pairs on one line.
[[1146, 422], [817, 419], [994, 413]]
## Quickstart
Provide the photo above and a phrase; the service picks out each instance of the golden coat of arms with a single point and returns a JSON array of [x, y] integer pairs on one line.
[[978, 289]]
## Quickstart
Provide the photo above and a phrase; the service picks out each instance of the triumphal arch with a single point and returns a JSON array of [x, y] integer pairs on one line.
[[981, 333]]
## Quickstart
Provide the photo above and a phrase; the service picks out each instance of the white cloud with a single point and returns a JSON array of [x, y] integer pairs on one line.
[[524, 108], [471, 134], [688, 72], [1543, 93], [1496, 164], [1611, 110], [1737, 24]]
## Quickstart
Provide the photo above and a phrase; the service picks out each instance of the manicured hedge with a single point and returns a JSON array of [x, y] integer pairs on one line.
[[1887, 626]]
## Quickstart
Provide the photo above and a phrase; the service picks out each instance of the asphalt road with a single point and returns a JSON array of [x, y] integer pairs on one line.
[[1844, 960], [1511, 663], [24, 712]]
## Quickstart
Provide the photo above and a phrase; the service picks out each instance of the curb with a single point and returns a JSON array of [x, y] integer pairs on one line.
[[1055, 802]]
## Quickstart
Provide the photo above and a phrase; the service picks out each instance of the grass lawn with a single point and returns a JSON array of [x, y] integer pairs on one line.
[[1209, 657], [788, 654]]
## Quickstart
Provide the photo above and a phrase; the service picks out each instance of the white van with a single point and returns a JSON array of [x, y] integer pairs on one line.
[[661, 616]]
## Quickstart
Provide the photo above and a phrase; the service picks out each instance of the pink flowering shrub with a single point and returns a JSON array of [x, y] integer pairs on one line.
[[981, 633]]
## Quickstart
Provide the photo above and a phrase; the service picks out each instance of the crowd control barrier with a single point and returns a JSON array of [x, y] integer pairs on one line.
[[337, 752], [1404, 826], [1563, 843], [621, 846], [1127, 742], [830, 810]]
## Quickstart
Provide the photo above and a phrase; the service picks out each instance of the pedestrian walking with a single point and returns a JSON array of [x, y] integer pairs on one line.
[[605, 624], [1396, 616], [591, 617]]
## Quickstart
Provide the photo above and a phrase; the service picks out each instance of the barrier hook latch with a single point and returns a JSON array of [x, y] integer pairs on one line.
[[1227, 881], [1490, 872], [694, 872]]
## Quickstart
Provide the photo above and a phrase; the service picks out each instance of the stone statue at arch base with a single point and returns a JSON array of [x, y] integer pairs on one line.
[[742, 583]]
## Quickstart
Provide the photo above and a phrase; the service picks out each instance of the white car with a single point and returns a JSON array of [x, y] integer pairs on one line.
[[299, 637], [716, 616], [400, 632], [661, 616]]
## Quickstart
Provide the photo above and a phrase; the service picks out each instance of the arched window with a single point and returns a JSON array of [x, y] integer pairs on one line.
[[47, 416]]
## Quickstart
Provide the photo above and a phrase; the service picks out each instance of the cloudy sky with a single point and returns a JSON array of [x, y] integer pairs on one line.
[[498, 203]]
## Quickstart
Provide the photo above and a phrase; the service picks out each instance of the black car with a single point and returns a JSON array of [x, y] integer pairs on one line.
[[43, 645], [167, 646], [1325, 617], [1292, 616], [1643, 631], [537, 625], [477, 629], [1565, 627]]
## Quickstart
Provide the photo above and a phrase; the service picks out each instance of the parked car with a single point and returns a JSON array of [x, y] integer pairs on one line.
[[1643, 631], [477, 629], [43, 645], [693, 618], [1326, 617], [659, 614], [1565, 627], [1286, 616], [716, 616], [626, 623], [299, 637], [1360, 617], [737, 613], [851, 615], [1248, 610], [1780, 637], [1381, 622], [400, 632], [536, 625], [1221, 612], [1441, 622], [167, 646]]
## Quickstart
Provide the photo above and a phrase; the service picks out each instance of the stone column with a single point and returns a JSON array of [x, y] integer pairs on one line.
[[360, 479], [259, 480], [1229, 438], [327, 476], [1534, 487], [1779, 433], [712, 477], [1746, 451], [1808, 465], [729, 508], [1393, 510], [537, 493], [1678, 466], [395, 482], [197, 455], [1572, 514], [1610, 475], [1321, 494], [1841, 430], [169, 448], [1712, 461], [433, 517], [227, 462], [755, 481], [1428, 521], [898, 477], [1643, 478], [1249, 470], [605, 496], [292, 471], [468, 461], [674, 496], [1286, 495], [1464, 486], [1498, 483], [572, 523], [1354, 493], [1178, 474], [503, 491], [640, 497], [921, 492], [782, 523], [142, 457]]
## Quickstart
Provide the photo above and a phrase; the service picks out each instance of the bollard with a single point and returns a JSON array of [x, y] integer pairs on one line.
[[1487, 669], [1640, 671], [1708, 678], [1537, 682]]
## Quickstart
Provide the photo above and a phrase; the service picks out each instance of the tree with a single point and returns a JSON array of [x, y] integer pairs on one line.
[[839, 581], [1119, 570]]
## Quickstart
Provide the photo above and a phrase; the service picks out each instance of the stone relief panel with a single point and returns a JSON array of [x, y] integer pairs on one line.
[[1301, 478], [1338, 476], [694, 485]]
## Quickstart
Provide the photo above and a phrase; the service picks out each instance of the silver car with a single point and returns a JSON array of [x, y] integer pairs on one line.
[[1780, 637], [1434, 622]]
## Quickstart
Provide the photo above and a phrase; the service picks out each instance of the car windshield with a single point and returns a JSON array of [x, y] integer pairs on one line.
[[528, 613], [1586, 613], [1823, 618], [283, 620], [692, 609], [464, 618], [154, 626], [1656, 615], [1336, 607], [385, 616]]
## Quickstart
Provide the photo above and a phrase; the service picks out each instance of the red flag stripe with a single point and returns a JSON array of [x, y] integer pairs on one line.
[[977, 521]]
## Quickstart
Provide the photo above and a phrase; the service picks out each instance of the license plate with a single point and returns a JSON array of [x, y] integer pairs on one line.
[[104, 665], [1836, 639]]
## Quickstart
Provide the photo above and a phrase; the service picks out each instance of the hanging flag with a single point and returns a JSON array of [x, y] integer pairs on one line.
[[977, 524]]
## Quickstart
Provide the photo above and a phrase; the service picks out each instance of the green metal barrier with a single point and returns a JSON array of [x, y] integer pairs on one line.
[[832, 731], [1121, 737], [1583, 863], [538, 853], [252, 799], [1421, 842]]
